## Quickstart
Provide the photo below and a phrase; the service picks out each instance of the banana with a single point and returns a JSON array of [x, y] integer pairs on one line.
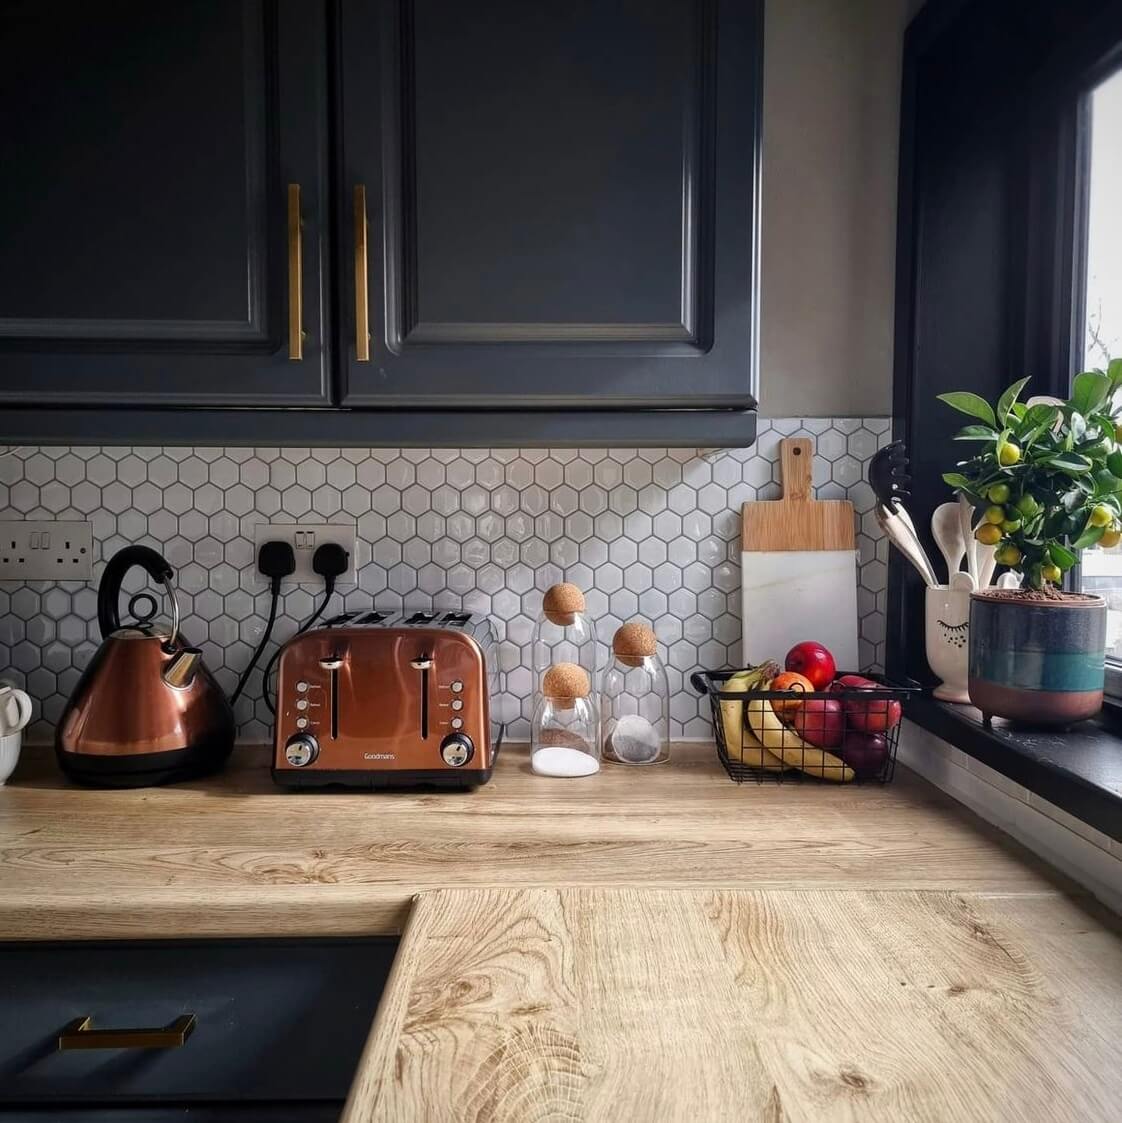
[[791, 750], [741, 743]]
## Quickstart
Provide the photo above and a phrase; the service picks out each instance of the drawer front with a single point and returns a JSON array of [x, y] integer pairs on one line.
[[275, 1020]]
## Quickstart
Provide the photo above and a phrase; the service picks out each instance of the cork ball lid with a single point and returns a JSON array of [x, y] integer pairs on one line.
[[562, 602], [634, 642], [564, 683]]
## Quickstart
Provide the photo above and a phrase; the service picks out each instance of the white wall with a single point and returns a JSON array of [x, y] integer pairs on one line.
[[831, 123]]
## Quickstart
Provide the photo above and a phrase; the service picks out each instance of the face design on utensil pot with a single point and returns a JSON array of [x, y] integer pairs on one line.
[[955, 634]]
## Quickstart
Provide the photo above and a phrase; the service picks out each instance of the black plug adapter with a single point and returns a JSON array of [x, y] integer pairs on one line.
[[276, 559], [330, 561]]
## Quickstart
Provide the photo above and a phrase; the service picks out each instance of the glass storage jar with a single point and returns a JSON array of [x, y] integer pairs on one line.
[[565, 730], [635, 698], [564, 633]]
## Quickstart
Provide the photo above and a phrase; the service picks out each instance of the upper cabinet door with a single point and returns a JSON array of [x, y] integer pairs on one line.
[[549, 204], [163, 215]]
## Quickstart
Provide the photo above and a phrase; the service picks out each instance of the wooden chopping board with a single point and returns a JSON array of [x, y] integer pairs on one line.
[[798, 566]]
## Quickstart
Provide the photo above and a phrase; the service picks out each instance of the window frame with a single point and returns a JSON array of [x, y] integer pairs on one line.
[[1080, 232], [1017, 76]]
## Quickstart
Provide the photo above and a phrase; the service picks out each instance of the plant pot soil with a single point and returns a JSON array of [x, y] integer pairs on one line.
[[1037, 656]]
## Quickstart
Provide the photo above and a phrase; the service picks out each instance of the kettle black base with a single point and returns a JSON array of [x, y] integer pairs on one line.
[[143, 770]]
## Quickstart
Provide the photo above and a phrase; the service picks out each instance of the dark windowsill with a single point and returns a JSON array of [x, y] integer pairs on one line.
[[1079, 770]]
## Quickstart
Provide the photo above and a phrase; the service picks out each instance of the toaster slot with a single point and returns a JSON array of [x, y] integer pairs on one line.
[[335, 704], [456, 619], [372, 618], [422, 618], [331, 665], [423, 663]]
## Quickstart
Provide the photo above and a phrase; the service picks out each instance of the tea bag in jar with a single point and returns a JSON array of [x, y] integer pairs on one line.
[[635, 697], [565, 730]]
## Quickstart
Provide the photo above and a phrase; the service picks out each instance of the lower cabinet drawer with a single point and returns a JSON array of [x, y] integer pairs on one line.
[[274, 1020]]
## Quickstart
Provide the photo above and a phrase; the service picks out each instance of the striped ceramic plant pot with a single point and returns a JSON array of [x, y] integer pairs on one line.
[[1038, 662]]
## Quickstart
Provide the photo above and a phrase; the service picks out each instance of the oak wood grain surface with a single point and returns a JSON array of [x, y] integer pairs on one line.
[[234, 855], [593, 1004]]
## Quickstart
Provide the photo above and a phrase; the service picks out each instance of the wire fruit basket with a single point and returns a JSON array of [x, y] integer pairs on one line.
[[845, 734]]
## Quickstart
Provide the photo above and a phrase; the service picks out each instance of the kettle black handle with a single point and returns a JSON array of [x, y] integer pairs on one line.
[[109, 591]]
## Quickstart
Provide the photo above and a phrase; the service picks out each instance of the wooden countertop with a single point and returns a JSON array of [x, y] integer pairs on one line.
[[643, 944], [607, 1005], [235, 855]]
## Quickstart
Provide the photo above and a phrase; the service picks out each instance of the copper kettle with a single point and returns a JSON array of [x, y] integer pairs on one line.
[[146, 710]]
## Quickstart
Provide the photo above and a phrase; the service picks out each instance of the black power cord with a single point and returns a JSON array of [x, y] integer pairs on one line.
[[276, 560], [330, 561]]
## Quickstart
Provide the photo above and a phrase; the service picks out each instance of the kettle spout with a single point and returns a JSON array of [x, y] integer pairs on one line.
[[180, 672]]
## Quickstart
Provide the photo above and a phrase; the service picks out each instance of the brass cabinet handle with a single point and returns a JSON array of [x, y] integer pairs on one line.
[[78, 1035], [362, 296], [295, 275]]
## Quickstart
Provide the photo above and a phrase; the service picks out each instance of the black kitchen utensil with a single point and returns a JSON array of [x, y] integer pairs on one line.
[[888, 475]]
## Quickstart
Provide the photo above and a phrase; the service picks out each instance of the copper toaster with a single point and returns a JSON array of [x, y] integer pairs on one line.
[[381, 699]]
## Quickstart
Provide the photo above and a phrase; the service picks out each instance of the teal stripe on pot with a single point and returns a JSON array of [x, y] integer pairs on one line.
[[1039, 670]]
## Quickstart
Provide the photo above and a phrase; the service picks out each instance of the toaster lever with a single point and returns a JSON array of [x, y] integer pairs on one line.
[[331, 664], [424, 663]]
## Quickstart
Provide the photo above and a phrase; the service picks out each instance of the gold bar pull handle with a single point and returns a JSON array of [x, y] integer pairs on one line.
[[362, 294], [78, 1035], [295, 275]]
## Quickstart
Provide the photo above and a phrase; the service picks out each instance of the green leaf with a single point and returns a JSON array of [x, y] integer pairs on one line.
[[1061, 555], [970, 404], [1114, 372], [1005, 402], [1114, 463], [958, 481], [975, 433], [1069, 462], [1088, 538], [1089, 390]]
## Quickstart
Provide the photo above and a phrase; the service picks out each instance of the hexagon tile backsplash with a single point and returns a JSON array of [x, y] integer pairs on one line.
[[645, 532]]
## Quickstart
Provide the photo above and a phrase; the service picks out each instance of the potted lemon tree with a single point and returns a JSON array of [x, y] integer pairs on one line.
[[1047, 480]]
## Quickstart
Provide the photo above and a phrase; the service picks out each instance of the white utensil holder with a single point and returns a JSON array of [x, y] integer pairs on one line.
[[948, 640]]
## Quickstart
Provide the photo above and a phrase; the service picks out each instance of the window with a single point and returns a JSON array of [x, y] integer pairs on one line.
[[1102, 569]]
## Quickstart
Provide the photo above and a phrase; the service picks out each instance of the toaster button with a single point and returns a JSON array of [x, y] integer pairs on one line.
[[301, 723], [456, 749], [457, 686], [301, 703], [457, 703], [301, 687]]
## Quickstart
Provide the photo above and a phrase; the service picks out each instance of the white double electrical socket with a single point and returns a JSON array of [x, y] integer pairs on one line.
[[45, 550], [305, 538]]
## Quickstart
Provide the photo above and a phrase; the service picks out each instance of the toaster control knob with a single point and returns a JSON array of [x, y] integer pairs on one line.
[[301, 750], [456, 749]]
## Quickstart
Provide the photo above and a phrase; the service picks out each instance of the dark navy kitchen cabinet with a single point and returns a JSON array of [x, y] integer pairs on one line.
[[559, 202], [145, 205], [380, 221]]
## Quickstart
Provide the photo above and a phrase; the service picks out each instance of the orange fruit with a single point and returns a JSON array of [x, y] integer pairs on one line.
[[797, 685]]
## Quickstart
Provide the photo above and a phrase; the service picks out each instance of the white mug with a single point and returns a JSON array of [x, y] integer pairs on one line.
[[15, 710], [948, 640]]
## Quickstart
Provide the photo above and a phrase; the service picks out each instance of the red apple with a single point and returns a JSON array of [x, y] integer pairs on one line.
[[821, 722], [874, 715], [814, 662], [865, 753]]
